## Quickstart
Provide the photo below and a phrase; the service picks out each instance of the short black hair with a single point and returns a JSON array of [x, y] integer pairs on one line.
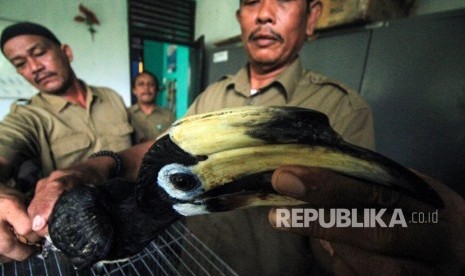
[[133, 83], [26, 28]]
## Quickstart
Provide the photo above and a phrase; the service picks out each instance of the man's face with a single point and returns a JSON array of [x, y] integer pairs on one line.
[[145, 89], [41, 62], [273, 31]]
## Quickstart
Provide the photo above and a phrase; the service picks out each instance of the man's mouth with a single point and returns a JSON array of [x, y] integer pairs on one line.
[[43, 78], [263, 41], [265, 38]]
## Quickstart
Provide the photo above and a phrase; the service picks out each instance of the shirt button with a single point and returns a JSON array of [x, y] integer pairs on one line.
[[315, 79]]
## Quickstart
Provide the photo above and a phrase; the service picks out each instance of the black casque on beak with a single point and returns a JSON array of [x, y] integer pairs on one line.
[[213, 162]]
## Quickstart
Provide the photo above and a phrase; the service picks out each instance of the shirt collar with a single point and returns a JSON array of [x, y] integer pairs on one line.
[[136, 108], [287, 80], [57, 103]]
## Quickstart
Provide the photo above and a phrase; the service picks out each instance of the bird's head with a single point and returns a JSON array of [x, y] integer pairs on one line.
[[223, 160]]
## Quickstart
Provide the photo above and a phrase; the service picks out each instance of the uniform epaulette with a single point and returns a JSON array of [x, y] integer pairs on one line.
[[320, 79], [23, 101], [19, 102]]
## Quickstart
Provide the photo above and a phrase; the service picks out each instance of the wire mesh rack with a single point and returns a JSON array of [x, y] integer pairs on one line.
[[176, 251]]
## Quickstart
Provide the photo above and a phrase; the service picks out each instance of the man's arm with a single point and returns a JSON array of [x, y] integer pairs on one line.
[[92, 171]]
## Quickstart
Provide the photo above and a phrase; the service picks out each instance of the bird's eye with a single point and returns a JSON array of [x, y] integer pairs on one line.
[[179, 182], [183, 182]]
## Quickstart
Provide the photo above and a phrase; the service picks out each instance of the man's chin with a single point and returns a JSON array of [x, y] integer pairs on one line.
[[56, 85], [148, 100], [267, 65], [52, 89]]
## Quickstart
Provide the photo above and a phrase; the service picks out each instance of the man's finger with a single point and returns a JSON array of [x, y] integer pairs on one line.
[[11, 247], [19, 251], [15, 217], [46, 194], [21, 225], [324, 188]]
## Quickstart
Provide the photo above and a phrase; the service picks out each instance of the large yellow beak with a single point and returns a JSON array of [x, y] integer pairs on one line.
[[234, 151]]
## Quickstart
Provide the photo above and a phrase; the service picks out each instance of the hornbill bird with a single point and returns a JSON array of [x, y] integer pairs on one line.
[[213, 162]]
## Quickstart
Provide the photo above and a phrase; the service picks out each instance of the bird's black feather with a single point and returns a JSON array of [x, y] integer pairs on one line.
[[91, 224], [106, 222], [163, 152]]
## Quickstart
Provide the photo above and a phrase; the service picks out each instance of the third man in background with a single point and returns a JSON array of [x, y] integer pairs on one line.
[[148, 119]]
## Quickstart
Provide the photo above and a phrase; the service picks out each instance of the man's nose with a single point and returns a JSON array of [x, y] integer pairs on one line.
[[266, 12], [35, 65]]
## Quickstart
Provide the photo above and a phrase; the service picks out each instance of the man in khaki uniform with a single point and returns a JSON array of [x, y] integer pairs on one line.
[[273, 32], [62, 125], [243, 238], [266, 251], [148, 119]]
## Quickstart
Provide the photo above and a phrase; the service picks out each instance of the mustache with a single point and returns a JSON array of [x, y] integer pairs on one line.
[[40, 76], [255, 34]]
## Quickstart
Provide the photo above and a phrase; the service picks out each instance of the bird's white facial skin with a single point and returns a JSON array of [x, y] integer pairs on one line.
[[188, 209], [165, 182]]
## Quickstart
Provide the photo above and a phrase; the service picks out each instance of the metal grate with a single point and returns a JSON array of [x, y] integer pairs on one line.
[[163, 20], [176, 251]]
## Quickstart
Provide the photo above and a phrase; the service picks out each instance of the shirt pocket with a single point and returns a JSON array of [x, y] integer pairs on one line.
[[70, 149], [116, 137]]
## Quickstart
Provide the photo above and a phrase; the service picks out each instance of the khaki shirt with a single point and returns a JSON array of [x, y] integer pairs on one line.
[[348, 113], [60, 134], [149, 126], [244, 239]]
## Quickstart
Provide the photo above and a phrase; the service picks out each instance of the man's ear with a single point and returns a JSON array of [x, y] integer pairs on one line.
[[316, 8], [67, 51], [238, 16]]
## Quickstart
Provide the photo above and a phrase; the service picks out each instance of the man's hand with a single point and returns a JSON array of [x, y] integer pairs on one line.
[[16, 235], [93, 171], [47, 192], [428, 248]]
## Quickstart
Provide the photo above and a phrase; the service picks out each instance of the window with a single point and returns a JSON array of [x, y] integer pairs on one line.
[[163, 20]]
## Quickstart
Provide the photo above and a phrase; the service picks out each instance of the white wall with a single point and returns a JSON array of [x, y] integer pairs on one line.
[[104, 61], [216, 18]]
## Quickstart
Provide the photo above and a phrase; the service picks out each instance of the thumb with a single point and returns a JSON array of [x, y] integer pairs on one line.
[[296, 181]]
